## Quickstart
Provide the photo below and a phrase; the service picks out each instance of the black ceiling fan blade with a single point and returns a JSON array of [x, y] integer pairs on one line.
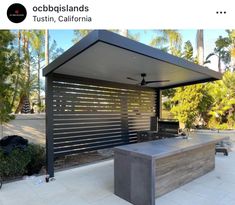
[[156, 81], [132, 79]]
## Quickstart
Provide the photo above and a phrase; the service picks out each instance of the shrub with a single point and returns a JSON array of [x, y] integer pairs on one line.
[[37, 154], [14, 164], [20, 162], [223, 126]]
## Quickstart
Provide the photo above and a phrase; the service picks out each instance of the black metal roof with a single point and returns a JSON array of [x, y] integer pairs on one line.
[[104, 55]]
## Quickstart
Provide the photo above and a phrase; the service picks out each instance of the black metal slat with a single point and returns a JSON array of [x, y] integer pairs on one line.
[[88, 115], [98, 98], [69, 134], [100, 115], [81, 86], [78, 111], [67, 91], [88, 121], [87, 145], [81, 95], [95, 103], [88, 141], [88, 98], [82, 138], [85, 136], [70, 152], [87, 124], [84, 129], [95, 111], [97, 120], [89, 106], [60, 78]]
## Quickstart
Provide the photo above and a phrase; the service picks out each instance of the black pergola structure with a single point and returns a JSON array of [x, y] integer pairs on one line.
[[91, 102]]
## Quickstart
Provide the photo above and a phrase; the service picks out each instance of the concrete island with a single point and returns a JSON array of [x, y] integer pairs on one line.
[[143, 171]]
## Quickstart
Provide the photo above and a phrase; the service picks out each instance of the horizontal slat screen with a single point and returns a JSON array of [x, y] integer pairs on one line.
[[91, 117]]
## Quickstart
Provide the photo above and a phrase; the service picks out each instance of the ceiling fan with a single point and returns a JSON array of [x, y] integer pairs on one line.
[[144, 82]]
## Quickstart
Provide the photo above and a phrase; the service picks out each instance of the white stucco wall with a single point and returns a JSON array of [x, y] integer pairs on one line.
[[29, 126]]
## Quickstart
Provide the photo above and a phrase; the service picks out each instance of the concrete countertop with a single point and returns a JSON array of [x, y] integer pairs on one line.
[[165, 147]]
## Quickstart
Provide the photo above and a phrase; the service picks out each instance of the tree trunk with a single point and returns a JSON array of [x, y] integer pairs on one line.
[[18, 72], [1, 131], [219, 63], [27, 59], [200, 47], [47, 47], [23, 99], [20, 105], [39, 85], [233, 58], [123, 32]]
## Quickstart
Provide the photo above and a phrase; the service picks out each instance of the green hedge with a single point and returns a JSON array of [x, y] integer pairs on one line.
[[21, 162]]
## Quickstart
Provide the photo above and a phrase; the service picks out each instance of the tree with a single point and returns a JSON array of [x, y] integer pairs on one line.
[[225, 51], [190, 102], [200, 47], [34, 50], [169, 41], [26, 88], [17, 72], [25, 78], [47, 57], [188, 51], [221, 51], [222, 109], [54, 51], [37, 42], [79, 34], [231, 36], [8, 59], [127, 33]]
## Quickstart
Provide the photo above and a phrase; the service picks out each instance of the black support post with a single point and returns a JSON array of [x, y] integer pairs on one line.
[[124, 119], [158, 103], [49, 127]]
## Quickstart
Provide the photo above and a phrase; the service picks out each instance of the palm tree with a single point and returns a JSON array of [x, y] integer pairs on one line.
[[26, 87], [200, 47], [128, 34], [79, 34], [26, 75], [168, 40], [221, 51], [8, 65], [231, 34], [46, 47], [123, 32], [37, 43], [17, 73]]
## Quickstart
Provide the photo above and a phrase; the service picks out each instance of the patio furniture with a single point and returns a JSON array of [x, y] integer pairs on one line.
[[147, 170], [222, 147]]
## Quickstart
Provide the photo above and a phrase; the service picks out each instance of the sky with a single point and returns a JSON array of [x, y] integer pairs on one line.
[[64, 39]]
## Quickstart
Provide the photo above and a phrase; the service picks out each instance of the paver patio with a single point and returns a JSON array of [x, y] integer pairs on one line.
[[93, 185]]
